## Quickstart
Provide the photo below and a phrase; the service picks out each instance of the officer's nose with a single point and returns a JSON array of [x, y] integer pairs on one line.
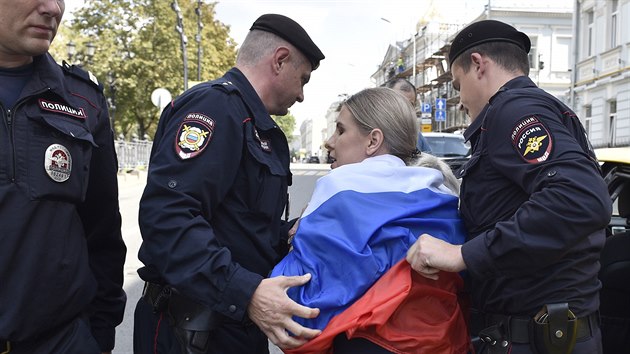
[[52, 8]]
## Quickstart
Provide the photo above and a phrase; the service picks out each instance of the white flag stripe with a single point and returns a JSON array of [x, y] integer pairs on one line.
[[384, 173]]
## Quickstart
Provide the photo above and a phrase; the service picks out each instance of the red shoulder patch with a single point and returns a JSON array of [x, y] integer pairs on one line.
[[193, 135], [532, 140]]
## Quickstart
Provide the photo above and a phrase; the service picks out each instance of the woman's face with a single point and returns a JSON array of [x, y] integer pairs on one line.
[[349, 143]]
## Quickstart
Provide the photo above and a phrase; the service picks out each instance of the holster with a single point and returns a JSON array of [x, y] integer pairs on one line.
[[495, 339], [553, 330], [191, 321]]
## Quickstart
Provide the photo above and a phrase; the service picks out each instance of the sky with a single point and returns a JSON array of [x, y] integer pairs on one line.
[[353, 35]]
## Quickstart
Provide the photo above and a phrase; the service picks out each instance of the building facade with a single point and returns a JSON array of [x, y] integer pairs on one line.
[[548, 24], [600, 92]]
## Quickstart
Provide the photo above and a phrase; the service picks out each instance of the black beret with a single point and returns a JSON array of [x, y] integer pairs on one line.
[[292, 32], [483, 32]]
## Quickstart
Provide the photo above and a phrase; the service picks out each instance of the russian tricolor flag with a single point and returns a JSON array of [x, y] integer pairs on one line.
[[353, 238]]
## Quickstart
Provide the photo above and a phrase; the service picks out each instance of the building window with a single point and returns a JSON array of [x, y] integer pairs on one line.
[[589, 35], [612, 122], [533, 53], [614, 16]]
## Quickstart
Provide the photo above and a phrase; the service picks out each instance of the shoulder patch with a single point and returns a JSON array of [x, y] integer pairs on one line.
[[532, 140], [193, 135], [78, 72]]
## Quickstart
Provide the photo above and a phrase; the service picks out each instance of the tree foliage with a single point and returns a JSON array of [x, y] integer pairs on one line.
[[138, 46], [286, 124]]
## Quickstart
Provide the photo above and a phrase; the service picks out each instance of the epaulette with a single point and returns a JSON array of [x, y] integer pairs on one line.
[[225, 85], [86, 76]]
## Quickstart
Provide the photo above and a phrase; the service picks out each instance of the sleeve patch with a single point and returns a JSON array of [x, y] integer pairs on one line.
[[193, 135], [532, 140]]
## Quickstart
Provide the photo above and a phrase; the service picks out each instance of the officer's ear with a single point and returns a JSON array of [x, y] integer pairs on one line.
[[280, 58], [478, 62]]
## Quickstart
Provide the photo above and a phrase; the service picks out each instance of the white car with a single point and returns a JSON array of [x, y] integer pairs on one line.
[[449, 147]]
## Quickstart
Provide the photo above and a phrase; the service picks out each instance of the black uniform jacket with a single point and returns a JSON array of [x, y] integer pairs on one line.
[[211, 212], [534, 203], [61, 250]]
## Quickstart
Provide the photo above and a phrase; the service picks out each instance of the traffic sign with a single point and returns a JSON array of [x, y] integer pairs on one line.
[[426, 108], [440, 116], [440, 104]]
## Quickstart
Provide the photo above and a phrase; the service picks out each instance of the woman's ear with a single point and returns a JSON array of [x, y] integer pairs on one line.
[[376, 142]]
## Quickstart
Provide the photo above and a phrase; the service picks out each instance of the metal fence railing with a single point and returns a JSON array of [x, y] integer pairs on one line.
[[133, 155]]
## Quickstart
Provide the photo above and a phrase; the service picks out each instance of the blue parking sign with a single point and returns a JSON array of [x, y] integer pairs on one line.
[[426, 108], [440, 116]]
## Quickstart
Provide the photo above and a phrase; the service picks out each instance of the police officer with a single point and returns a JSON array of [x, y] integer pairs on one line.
[[61, 250], [533, 201], [211, 213]]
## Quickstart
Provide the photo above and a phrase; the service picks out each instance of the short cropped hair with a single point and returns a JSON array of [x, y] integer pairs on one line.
[[403, 85], [259, 44], [389, 111], [507, 55]]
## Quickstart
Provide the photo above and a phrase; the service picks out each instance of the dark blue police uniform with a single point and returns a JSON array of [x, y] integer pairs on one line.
[[62, 253], [211, 213], [536, 208]]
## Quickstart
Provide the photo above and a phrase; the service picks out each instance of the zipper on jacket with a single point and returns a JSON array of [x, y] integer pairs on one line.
[[10, 134], [10, 116]]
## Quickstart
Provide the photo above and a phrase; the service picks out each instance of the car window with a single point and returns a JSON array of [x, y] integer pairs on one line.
[[446, 146]]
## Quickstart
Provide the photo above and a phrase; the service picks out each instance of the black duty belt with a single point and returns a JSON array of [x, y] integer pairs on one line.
[[183, 311], [518, 327]]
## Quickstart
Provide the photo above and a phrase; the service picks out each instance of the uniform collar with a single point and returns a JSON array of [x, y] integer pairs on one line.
[[46, 73], [262, 119], [517, 82]]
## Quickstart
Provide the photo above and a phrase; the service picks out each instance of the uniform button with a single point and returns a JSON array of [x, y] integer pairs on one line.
[[551, 173], [232, 308], [504, 343], [172, 183]]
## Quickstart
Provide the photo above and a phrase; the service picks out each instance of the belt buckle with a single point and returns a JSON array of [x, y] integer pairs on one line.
[[7, 347]]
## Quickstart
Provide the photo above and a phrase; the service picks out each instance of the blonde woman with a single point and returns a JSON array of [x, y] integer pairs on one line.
[[363, 217]]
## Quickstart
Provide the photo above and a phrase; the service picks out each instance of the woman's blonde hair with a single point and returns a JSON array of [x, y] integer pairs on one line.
[[389, 111]]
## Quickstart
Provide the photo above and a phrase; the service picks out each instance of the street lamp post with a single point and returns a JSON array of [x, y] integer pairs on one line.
[[111, 100], [72, 49], [198, 39], [80, 58], [179, 27]]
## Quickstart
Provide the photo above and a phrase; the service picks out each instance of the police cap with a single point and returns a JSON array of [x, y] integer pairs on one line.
[[292, 32], [483, 32]]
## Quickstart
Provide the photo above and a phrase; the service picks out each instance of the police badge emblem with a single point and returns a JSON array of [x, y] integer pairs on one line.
[[193, 135], [264, 143], [58, 163], [532, 140]]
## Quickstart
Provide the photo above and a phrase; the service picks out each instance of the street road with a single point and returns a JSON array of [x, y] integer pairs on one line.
[[131, 186]]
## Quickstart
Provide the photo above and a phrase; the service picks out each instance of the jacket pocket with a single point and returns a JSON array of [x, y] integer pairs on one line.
[[57, 161]]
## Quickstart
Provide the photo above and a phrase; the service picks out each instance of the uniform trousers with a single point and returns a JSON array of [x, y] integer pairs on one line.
[[74, 337], [153, 334]]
